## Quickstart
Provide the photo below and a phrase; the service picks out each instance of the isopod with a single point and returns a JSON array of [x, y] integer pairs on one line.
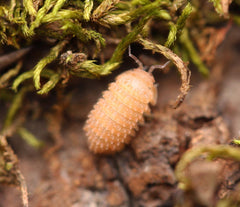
[[116, 116]]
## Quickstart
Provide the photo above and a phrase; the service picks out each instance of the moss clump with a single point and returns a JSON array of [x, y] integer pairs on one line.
[[95, 23]]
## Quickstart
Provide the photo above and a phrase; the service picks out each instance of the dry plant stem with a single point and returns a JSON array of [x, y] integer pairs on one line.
[[10, 58], [12, 159], [23, 187], [182, 68], [218, 151]]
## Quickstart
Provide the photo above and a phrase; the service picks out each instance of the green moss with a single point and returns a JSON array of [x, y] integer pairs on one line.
[[29, 138], [211, 152], [15, 106]]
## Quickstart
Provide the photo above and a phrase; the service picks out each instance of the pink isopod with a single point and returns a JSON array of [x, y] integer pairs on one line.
[[116, 116]]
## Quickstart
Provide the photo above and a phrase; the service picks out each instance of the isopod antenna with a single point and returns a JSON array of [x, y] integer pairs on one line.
[[153, 67], [140, 65]]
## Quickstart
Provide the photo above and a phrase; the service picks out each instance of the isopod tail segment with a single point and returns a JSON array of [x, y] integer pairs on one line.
[[140, 64]]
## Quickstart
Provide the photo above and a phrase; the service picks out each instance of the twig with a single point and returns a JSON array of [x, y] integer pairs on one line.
[[12, 57]]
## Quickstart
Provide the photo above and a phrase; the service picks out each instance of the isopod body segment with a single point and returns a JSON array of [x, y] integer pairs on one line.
[[115, 117]]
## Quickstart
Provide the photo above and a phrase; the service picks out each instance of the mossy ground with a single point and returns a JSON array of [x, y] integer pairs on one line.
[[45, 96]]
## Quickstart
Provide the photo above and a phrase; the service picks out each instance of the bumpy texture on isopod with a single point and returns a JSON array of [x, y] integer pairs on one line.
[[115, 117]]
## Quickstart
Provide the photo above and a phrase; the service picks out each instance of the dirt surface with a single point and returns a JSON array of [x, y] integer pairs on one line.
[[143, 173]]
